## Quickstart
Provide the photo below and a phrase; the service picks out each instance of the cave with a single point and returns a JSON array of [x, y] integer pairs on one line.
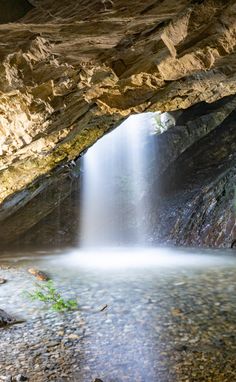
[[117, 190]]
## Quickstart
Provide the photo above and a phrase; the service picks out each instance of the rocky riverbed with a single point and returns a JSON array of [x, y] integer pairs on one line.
[[171, 320]]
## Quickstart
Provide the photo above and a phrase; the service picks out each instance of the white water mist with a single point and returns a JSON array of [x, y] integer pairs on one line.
[[114, 184]]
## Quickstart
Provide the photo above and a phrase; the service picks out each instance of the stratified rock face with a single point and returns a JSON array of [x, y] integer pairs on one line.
[[195, 203], [70, 70]]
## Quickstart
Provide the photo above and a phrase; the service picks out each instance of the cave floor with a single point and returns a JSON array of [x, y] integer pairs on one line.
[[172, 320]]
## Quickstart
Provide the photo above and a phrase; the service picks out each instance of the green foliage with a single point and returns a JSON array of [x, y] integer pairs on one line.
[[48, 294]]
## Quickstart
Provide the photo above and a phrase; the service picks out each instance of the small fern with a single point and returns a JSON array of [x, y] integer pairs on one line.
[[48, 294]]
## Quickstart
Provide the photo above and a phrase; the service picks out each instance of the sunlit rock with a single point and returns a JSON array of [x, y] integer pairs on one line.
[[69, 74]]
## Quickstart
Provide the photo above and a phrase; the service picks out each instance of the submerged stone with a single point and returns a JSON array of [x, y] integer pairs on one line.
[[41, 276]]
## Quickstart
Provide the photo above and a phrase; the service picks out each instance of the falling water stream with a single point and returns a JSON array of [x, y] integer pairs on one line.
[[145, 314], [114, 184]]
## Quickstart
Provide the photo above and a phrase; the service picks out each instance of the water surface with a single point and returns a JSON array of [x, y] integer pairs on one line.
[[170, 313]]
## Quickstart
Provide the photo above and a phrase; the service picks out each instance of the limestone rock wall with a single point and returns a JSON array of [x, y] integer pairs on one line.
[[71, 70]]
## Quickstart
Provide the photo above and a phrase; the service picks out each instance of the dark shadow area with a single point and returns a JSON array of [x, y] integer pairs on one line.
[[59, 229], [195, 204], [202, 108], [48, 220], [204, 161], [13, 10]]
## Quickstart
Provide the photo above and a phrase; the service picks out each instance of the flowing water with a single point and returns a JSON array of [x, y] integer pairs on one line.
[[149, 314], [115, 180]]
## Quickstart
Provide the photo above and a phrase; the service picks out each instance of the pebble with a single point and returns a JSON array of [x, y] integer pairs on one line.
[[5, 318], [182, 335], [73, 336], [21, 378]]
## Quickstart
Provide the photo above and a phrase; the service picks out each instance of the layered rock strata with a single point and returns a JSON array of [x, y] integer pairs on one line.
[[70, 71]]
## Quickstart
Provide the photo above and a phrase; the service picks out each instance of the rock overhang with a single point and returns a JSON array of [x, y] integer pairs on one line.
[[70, 72]]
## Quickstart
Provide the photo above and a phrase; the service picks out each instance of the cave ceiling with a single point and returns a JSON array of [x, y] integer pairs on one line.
[[71, 70]]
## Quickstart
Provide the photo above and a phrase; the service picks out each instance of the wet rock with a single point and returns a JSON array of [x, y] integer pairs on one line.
[[3, 281], [181, 348], [41, 276], [5, 318], [233, 244], [202, 179]]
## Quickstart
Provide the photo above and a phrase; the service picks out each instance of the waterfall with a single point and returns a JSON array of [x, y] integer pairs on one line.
[[114, 183]]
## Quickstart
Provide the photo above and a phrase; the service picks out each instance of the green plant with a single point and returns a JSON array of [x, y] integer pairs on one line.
[[48, 294]]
